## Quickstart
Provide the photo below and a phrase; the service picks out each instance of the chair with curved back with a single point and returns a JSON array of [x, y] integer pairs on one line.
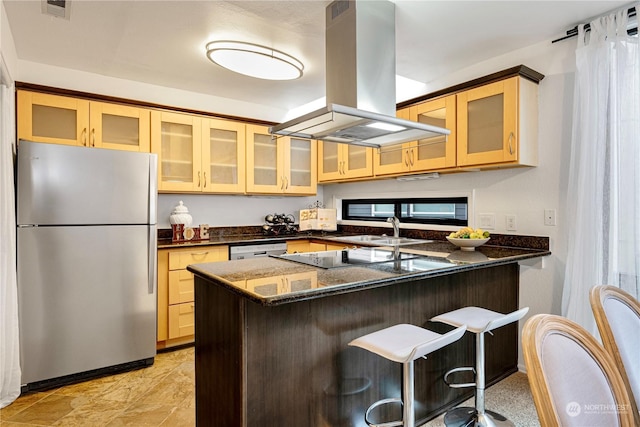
[[617, 315], [574, 381]]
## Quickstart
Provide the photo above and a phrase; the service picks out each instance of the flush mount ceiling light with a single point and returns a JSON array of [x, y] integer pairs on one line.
[[254, 60]]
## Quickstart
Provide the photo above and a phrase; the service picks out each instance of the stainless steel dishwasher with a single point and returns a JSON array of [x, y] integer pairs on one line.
[[257, 250]]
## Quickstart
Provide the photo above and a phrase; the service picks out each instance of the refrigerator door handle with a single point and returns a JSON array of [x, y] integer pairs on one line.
[[153, 259], [153, 188]]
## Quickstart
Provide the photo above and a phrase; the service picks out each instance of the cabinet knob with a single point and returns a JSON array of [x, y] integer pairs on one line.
[[84, 137], [93, 137], [205, 179], [198, 179]]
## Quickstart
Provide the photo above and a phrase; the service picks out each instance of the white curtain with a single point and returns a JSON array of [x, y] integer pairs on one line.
[[603, 202], [9, 344]]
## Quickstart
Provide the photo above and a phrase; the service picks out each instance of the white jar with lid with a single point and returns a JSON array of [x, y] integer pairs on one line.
[[180, 215]]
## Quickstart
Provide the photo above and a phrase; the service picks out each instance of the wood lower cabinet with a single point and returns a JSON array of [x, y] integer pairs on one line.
[[298, 246], [176, 305], [72, 121], [281, 284]]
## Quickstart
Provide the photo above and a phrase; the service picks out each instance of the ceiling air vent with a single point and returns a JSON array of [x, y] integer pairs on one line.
[[57, 8]]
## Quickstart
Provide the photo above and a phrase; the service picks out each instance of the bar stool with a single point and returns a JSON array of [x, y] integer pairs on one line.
[[403, 344], [478, 320]]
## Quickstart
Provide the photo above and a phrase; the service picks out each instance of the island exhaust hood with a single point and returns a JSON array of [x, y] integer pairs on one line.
[[361, 68]]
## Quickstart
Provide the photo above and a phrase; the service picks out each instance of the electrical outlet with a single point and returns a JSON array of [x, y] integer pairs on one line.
[[511, 223], [487, 221], [549, 217]]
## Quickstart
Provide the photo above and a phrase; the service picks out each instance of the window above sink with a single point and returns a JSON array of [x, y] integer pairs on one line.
[[451, 211]]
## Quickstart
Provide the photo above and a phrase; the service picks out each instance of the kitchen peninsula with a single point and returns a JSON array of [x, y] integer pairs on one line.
[[272, 334]]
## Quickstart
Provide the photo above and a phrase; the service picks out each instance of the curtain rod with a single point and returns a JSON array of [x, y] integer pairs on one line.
[[587, 27]]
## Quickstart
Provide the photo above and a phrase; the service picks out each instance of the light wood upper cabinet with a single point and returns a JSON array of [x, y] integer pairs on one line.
[[223, 156], [283, 165], [198, 154], [119, 127], [72, 121], [438, 152], [177, 139], [497, 124], [435, 153], [300, 165], [338, 162]]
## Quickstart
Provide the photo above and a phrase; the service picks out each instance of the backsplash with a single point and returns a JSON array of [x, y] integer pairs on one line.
[[505, 240]]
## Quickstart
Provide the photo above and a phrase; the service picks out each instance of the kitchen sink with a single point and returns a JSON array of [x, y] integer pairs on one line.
[[396, 241], [381, 240], [359, 238]]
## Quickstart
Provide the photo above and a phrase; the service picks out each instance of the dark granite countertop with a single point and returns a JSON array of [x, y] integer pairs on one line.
[[239, 239], [273, 281]]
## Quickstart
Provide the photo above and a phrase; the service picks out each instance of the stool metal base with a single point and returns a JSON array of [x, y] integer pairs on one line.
[[380, 403], [469, 417]]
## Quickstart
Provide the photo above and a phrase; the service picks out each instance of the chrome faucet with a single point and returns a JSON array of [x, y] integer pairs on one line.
[[396, 225]]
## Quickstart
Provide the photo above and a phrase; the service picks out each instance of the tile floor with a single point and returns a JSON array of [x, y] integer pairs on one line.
[[164, 395], [161, 395]]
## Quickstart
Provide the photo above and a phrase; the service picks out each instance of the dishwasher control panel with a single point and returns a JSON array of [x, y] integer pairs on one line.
[[257, 250]]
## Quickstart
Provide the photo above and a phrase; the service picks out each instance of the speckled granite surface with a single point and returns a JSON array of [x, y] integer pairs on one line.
[[444, 258], [253, 234]]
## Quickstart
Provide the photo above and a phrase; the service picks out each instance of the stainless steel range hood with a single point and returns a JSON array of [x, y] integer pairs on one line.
[[361, 73]]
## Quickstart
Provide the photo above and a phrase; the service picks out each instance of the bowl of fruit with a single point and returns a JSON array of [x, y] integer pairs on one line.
[[468, 239]]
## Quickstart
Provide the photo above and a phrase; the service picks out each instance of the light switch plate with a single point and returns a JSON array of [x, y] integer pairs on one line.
[[487, 221], [549, 217]]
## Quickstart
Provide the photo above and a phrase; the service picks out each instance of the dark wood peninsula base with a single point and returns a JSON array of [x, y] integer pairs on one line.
[[289, 364]]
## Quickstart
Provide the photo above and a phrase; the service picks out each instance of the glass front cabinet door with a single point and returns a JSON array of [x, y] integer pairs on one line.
[[300, 165], [51, 118], [262, 161], [282, 165], [338, 162], [72, 121], [435, 153], [223, 156], [176, 139], [119, 127], [497, 124]]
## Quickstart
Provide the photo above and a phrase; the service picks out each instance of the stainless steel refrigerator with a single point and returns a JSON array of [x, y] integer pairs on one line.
[[86, 246]]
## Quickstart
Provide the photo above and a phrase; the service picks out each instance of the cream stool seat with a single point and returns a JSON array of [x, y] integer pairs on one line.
[[479, 321], [404, 343]]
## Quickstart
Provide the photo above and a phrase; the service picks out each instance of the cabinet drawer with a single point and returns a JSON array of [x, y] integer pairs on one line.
[[178, 260], [180, 286], [181, 320]]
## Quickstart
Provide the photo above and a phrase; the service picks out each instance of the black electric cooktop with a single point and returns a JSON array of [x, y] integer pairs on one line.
[[346, 258]]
